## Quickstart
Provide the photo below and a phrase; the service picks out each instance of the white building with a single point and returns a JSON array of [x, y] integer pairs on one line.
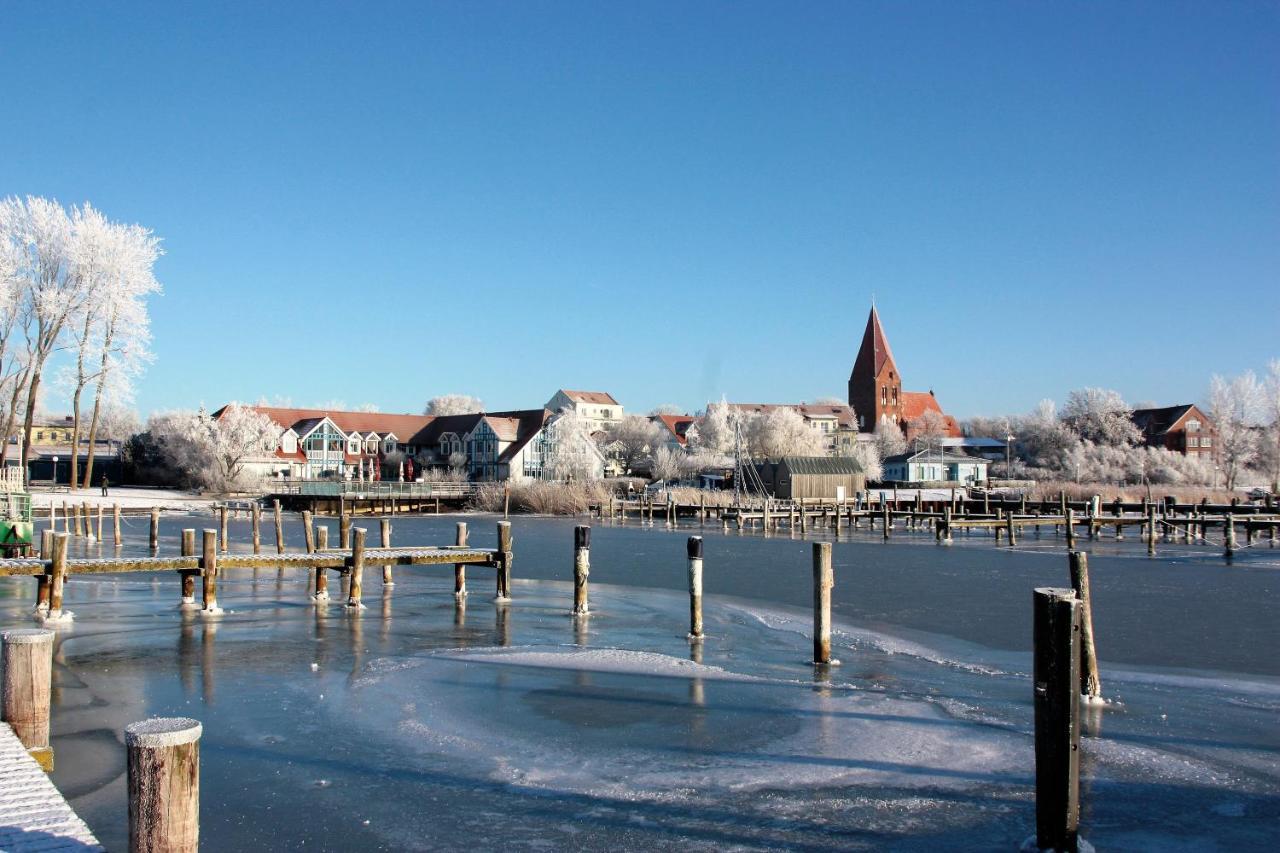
[[934, 466], [597, 407]]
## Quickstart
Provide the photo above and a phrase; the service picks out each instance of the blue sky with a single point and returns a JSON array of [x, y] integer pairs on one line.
[[671, 201]]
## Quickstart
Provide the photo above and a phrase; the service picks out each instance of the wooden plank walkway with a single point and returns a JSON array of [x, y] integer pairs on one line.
[[33, 814]]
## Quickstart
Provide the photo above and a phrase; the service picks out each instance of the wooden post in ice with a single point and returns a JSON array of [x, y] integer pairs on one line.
[[275, 506], [1056, 696], [98, 533], [57, 577], [1070, 518], [163, 759], [209, 572], [384, 527], [823, 580], [154, 540], [344, 531], [42, 580], [582, 568], [256, 512], [460, 569], [322, 579], [1012, 529], [188, 601], [222, 528], [505, 557], [695, 587], [506, 501], [115, 525], [357, 567], [27, 655], [1229, 534], [1151, 531], [308, 532], [1090, 683]]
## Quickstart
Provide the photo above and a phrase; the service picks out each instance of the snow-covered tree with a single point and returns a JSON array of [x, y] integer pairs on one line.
[[867, 455], [1234, 405], [634, 439], [713, 431], [889, 439], [1101, 416], [666, 409], [571, 452], [453, 404], [212, 453], [669, 464], [929, 428], [1269, 446], [783, 432]]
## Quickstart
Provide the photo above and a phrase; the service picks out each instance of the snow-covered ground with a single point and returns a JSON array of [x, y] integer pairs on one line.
[[127, 498]]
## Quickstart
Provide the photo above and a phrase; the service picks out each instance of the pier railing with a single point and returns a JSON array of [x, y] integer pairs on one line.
[[362, 491]]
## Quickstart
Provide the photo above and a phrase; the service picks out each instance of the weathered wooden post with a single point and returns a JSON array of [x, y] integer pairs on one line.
[[1090, 683], [66, 518], [1070, 519], [694, 550], [222, 528], [43, 579], [1151, 531], [27, 655], [256, 512], [460, 569], [823, 580], [83, 528], [115, 525], [164, 784], [322, 575], [506, 502], [1057, 718], [946, 524], [581, 568], [99, 531], [188, 576], [357, 568], [886, 520], [505, 557], [384, 525], [1229, 534], [999, 528], [275, 506], [344, 531], [1012, 529], [209, 573], [154, 539], [58, 579], [308, 532]]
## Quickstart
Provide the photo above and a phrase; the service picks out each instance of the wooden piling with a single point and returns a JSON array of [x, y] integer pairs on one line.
[[255, 512], [1229, 534], [460, 569], [582, 568], [163, 760], [694, 549], [222, 528], [1151, 531], [209, 573], [43, 580], [823, 581], [115, 525], [1056, 682], [154, 538], [322, 577], [1070, 517], [1090, 683], [275, 506], [57, 577], [505, 557], [356, 586], [344, 531], [1012, 529], [99, 531], [188, 601], [308, 532], [27, 658]]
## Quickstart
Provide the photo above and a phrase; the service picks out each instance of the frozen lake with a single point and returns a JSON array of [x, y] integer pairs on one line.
[[417, 725]]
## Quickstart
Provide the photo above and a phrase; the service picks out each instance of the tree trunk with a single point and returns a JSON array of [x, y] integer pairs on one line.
[[75, 437], [29, 418], [97, 400], [20, 382]]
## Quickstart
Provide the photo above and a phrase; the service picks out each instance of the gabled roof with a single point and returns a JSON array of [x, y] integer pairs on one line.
[[809, 411], [837, 465], [677, 425], [599, 398], [348, 422], [946, 456], [915, 403], [874, 354], [1158, 421]]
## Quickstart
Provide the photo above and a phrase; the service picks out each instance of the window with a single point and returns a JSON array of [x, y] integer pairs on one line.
[[1206, 441], [895, 395], [606, 414], [884, 395], [1193, 426], [1193, 442]]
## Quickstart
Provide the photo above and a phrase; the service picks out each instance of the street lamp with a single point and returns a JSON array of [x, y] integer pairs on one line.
[[1008, 455]]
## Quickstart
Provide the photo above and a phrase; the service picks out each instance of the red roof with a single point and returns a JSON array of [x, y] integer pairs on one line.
[[404, 427], [677, 425], [600, 398], [915, 403], [874, 353]]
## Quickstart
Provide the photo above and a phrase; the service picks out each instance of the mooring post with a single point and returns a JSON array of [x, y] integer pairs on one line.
[[505, 557], [308, 532], [1229, 534], [582, 568], [1070, 518], [344, 531], [154, 540], [99, 531], [694, 549], [1090, 683], [1151, 531], [1057, 718], [357, 568], [42, 579], [946, 524], [27, 655], [209, 573], [384, 525], [886, 519], [823, 580], [322, 576], [1012, 529], [506, 502], [115, 525], [188, 577], [275, 506], [255, 511], [222, 528], [163, 760], [82, 519], [58, 578]]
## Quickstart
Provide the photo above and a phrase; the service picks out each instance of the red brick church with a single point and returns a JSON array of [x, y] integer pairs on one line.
[[875, 389]]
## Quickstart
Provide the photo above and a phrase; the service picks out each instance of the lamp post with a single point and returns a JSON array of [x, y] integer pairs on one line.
[[55, 471], [1008, 455]]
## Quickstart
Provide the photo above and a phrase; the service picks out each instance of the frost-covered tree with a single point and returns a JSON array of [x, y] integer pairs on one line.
[[666, 409], [571, 452], [634, 439], [453, 404], [929, 428], [1269, 446], [212, 452], [889, 439], [867, 455], [783, 432], [669, 464], [713, 432], [1101, 416], [1234, 405], [830, 401]]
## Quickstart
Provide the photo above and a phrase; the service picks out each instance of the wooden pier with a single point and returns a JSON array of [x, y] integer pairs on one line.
[[33, 814]]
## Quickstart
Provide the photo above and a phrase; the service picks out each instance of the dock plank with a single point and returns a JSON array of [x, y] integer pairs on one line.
[[34, 816]]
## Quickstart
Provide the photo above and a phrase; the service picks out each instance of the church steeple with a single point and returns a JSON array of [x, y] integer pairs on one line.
[[875, 388]]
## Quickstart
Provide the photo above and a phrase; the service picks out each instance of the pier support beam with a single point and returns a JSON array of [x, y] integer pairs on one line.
[[1057, 718], [164, 784], [27, 657], [694, 549], [823, 581], [582, 568]]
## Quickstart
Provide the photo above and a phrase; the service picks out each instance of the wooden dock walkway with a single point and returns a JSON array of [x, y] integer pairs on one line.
[[34, 816]]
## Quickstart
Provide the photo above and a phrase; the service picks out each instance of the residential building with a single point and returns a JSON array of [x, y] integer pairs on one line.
[[830, 420], [676, 429], [1183, 429], [51, 440], [597, 407], [827, 477], [934, 466], [875, 389]]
